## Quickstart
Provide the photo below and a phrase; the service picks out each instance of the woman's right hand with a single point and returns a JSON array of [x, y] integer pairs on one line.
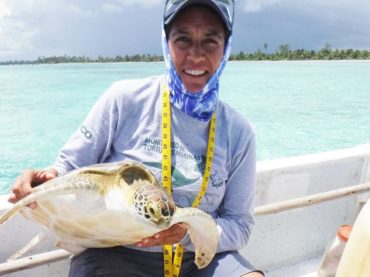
[[27, 180]]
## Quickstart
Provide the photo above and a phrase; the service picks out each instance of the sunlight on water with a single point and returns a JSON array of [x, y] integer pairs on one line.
[[295, 107]]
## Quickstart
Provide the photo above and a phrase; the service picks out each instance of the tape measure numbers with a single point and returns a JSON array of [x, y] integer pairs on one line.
[[172, 264]]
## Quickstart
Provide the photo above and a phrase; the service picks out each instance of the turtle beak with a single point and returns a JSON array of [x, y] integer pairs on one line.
[[161, 216]]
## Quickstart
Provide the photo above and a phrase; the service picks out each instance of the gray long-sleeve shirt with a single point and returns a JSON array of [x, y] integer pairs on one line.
[[125, 124]]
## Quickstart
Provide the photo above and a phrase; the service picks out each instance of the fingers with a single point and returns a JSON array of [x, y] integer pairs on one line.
[[22, 186], [42, 176], [27, 180], [172, 235]]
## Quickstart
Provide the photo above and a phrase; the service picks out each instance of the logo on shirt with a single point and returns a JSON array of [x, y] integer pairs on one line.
[[189, 167], [85, 132], [178, 179]]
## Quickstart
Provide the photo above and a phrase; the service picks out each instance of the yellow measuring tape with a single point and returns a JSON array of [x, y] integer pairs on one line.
[[172, 268]]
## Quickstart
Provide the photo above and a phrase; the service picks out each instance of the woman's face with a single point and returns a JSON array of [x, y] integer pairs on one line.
[[196, 42]]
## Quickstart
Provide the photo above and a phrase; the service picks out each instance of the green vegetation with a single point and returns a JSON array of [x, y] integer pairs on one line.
[[282, 53], [84, 59]]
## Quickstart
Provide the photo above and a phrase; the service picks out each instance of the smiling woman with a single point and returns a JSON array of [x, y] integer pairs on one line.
[[196, 50], [201, 139], [196, 42]]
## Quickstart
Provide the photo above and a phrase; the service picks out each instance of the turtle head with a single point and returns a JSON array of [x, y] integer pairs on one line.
[[154, 204]]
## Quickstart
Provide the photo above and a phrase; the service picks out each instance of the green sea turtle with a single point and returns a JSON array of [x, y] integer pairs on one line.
[[113, 204]]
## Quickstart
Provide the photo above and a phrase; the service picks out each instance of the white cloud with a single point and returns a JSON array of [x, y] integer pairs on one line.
[[305, 23], [28, 28], [16, 36], [31, 28], [255, 6], [4, 9], [143, 3], [345, 15], [112, 8], [340, 7], [84, 12], [341, 14]]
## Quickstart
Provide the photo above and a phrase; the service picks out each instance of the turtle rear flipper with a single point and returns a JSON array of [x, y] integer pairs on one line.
[[203, 233], [71, 247]]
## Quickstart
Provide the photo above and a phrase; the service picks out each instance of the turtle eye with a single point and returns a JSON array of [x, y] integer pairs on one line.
[[165, 211]]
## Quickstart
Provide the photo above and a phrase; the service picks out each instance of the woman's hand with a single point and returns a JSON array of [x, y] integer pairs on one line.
[[172, 235], [27, 180]]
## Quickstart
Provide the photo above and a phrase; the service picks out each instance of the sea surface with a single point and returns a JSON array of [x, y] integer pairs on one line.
[[296, 107]]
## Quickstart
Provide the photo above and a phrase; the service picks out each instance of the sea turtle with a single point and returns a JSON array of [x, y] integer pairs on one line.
[[113, 204]]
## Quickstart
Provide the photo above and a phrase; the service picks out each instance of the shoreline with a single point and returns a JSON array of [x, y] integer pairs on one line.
[[162, 62]]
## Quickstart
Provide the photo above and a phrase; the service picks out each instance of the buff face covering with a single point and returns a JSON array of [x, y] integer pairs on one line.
[[199, 105]]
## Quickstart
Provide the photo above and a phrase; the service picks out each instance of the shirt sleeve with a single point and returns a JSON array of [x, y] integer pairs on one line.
[[91, 142], [235, 214]]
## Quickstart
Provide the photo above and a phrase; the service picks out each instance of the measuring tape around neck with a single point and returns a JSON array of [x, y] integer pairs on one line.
[[172, 268]]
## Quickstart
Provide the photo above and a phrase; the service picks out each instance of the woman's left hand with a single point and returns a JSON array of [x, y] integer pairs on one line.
[[172, 235]]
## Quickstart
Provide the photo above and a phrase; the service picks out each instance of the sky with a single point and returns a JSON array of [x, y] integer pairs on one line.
[[35, 28]]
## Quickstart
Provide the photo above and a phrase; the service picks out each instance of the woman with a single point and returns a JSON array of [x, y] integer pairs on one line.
[[125, 124]]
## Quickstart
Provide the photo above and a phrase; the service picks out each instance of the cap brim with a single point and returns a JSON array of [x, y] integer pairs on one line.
[[188, 3]]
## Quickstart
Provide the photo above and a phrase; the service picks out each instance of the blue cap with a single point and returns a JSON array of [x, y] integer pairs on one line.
[[224, 8]]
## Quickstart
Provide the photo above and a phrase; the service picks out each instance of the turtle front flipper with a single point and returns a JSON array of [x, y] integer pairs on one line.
[[203, 233], [10, 213], [61, 185]]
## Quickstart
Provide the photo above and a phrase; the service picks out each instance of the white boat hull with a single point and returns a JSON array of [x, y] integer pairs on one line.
[[288, 243]]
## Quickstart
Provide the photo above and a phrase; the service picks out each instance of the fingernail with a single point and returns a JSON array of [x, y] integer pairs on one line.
[[139, 244], [156, 236]]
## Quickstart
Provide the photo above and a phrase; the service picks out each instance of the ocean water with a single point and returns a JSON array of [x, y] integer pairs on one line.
[[296, 107]]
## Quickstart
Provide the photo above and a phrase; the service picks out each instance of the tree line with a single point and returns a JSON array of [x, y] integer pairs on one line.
[[84, 59], [282, 53], [285, 53]]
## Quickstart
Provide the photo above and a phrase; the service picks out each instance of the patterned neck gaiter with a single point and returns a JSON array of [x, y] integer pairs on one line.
[[199, 105]]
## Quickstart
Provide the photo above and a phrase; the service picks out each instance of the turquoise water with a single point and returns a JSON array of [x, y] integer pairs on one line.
[[296, 107]]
